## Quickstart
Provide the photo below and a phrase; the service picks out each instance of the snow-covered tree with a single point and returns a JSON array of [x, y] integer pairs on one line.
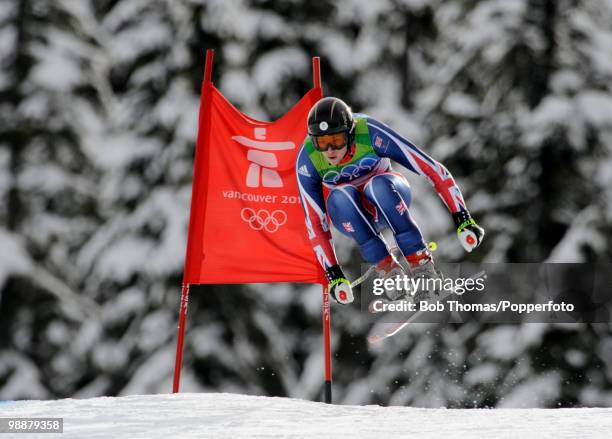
[[98, 118]]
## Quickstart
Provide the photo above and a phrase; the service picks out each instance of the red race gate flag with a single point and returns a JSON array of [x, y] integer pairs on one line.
[[247, 223]]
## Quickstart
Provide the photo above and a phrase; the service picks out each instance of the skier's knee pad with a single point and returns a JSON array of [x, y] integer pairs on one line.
[[386, 190], [343, 205], [401, 187], [341, 197]]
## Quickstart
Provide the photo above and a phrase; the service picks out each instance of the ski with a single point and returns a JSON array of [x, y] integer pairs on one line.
[[363, 277], [397, 327]]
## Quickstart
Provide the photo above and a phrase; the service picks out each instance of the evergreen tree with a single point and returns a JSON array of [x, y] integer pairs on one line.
[[98, 118]]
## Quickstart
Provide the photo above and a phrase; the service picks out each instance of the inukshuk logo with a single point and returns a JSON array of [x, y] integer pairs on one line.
[[263, 162], [262, 173]]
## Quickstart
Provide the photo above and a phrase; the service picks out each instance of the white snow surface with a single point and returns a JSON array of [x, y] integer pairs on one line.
[[225, 415]]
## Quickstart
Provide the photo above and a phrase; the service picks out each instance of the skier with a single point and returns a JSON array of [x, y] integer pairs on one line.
[[350, 156]]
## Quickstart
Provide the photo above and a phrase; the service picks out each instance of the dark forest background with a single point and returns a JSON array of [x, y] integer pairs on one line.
[[98, 118]]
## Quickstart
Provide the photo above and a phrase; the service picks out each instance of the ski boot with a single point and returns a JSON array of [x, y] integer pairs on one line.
[[422, 266], [388, 268]]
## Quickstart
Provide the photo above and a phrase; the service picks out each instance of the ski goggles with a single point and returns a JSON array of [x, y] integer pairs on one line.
[[334, 141]]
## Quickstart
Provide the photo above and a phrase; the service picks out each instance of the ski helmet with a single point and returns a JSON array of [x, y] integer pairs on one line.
[[331, 116]]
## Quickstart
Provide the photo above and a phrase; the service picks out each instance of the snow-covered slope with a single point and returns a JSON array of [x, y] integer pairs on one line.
[[235, 416]]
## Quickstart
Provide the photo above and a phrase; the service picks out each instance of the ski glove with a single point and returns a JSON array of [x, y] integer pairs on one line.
[[469, 233], [339, 286]]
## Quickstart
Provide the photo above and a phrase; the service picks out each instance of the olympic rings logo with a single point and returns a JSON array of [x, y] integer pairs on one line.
[[351, 171], [263, 220]]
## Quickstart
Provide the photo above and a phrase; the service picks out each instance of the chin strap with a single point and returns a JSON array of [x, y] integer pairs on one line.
[[349, 154]]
